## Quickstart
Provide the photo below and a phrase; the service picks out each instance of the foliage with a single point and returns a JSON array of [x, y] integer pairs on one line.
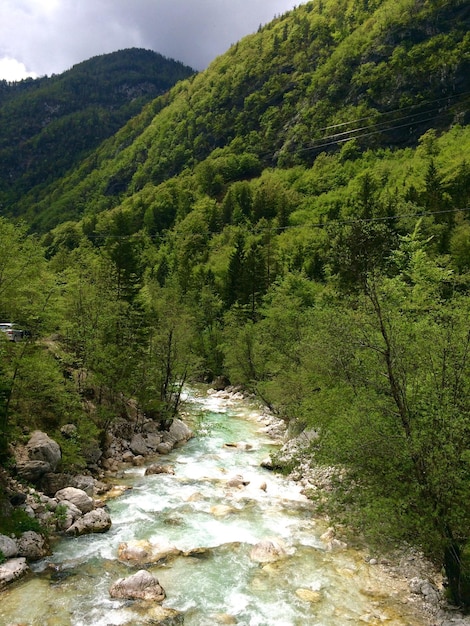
[[306, 83], [295, 217], [49, 124], [18, 523]]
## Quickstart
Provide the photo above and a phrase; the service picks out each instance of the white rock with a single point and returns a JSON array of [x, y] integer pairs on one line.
[[141, 586], [96, 521], [78, 497], [12, 570], [8, 546]]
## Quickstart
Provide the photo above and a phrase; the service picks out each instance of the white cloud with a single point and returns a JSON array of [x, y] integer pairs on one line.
[[13, 70], [49, 36]]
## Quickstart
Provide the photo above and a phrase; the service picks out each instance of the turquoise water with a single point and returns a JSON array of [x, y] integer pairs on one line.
[[197, 510]]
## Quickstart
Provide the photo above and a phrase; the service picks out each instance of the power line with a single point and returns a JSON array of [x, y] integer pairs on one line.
[[390, 125], [399, 110], [341, 222], [363, 220], [368, 134]]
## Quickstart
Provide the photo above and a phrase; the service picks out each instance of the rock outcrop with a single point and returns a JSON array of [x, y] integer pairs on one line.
[[96, 521], [140, 586], [12, 570], [268, 551], [77, 497], [142, 552]]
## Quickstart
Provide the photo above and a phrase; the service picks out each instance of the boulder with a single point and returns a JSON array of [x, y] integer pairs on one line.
[[138, 445], [101, 488], [165, 447], [159, 615], [110, 465], [267, 463], [96, 521], [267, 551], [51, 483], [152, 440], [12, 570], [42, 448], [159, 469], [17, 498], [70, 509], [32, 546], [85, 483], [140, 586], [332, 543], [180, 432], [32, 471], [222, 510], [142, 552], [150, 426], [69, 431], [239, 445], [237, 481], [78, 497], [308, 595], [8, 547]]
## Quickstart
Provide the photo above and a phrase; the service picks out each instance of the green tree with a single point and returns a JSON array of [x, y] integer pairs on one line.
[[169, 358], [394, 407], [27, 296]]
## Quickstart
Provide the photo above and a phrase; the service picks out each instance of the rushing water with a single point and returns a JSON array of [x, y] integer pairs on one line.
[[196, 508]]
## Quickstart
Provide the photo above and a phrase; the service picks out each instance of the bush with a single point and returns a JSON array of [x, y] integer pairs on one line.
[[18, 523]]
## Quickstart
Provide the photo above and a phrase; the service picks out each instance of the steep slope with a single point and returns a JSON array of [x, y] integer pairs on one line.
[[381, 71], [48, 125], [296, 219]]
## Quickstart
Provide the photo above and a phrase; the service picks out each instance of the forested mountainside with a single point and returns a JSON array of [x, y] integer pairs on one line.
[[296, 219], [49, 124], [382, 72]]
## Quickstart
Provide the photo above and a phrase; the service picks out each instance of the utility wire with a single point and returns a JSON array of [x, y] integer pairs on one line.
[[399, 110], [340, 222], [368, 134], [390, 125], [364, 220]]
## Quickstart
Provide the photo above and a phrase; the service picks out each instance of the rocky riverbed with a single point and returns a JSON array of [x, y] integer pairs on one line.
[[405, 572], [68, 504]]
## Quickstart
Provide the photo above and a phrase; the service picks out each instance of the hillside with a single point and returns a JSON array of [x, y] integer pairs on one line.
[[48, 125], [294, 219], [305, 83]]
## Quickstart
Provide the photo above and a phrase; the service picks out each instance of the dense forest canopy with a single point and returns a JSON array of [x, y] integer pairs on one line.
[[295, 218], [48, 125]]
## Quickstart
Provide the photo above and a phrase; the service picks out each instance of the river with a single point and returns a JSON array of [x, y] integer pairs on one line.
[[195, 509]]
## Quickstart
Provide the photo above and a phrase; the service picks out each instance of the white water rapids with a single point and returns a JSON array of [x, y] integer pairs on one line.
[[196, 508]]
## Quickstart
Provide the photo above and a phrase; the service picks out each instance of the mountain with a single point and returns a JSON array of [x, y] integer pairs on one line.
[[294, 219], [48, 125], [379, 71]]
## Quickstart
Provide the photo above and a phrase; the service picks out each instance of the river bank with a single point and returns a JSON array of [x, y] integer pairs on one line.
[[213, 509]]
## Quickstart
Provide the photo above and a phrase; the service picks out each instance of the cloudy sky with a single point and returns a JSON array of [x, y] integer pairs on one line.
[[44, 37]]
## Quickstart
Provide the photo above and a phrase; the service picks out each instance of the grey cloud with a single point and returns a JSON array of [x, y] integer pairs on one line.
[[52, 35]]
